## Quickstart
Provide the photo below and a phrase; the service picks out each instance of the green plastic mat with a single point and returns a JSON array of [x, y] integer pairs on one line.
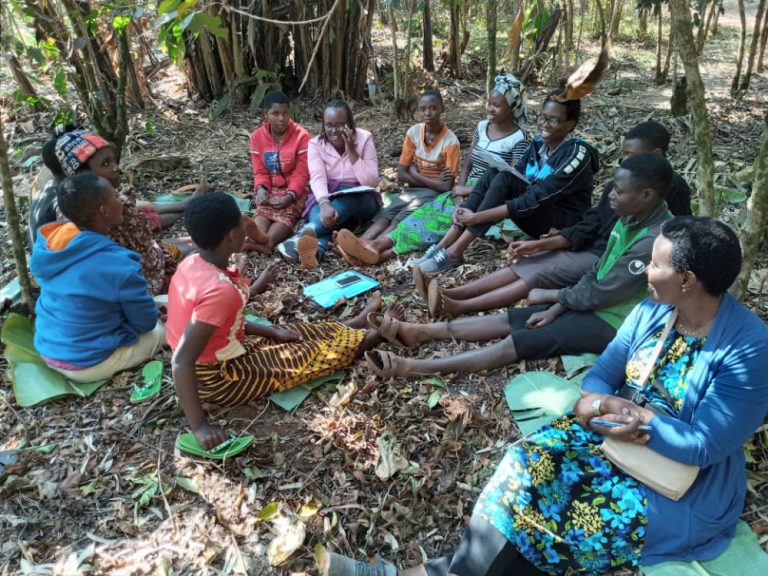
[[743, 557], [33, 381], [537, 398]]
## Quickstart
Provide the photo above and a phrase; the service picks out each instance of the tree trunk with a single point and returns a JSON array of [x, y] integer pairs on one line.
[[753, 47], [14, 226], [763, 42], [705, 24], [454, 40], [740, 57], [668, 57], [601, 17], [642, 25], [616, 10], [659, 38], [753, 229], [683, 29], [428, 57], [490, 17]]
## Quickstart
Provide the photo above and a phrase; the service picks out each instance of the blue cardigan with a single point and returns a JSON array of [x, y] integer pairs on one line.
[[726, 400]]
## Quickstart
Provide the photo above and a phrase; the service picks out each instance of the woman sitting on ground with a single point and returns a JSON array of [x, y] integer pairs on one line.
[[558, 260], [341, 158], [280, 172], [221, 358], [559, 168], [81, 151], [557, 505], [95, 316], [499, 136]]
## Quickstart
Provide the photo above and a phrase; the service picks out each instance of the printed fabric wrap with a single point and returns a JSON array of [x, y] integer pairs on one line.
[[514, 93]]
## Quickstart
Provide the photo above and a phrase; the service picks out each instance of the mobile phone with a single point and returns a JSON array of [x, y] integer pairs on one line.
[[608, 424], [347, 280]]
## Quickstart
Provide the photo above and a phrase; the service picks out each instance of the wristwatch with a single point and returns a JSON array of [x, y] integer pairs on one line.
[[596, 405]]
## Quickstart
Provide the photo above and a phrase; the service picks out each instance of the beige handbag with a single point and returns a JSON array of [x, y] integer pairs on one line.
[[668, 477]]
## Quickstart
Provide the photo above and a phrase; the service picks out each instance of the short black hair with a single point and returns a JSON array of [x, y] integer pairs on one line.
[[572, 107], [433, 94], [275, 97], [210, 217], [79, 197], [338, 104], [707, 247], [653, 133], [650, 170]]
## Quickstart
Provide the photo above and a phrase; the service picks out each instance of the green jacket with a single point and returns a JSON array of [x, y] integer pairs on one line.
[[618, 282]]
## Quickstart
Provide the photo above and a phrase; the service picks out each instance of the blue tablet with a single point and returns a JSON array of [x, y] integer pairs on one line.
[[346, 284]]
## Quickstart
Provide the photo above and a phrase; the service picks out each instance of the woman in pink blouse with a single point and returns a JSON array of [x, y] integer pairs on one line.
[[341, 160]]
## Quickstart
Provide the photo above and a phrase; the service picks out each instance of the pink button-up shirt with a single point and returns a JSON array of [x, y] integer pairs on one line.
[[328, 167]]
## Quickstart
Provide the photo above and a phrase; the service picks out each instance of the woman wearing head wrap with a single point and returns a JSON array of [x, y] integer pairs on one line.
[[75, 151], [499, 136]]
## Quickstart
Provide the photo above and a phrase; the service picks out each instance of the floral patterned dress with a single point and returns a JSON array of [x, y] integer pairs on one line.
[[566, 507]]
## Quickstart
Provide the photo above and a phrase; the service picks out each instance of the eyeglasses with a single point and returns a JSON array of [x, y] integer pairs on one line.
[[334, 127], [551, 121]]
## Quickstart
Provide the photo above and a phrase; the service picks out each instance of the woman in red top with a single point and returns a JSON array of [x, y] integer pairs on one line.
[[280, 173]]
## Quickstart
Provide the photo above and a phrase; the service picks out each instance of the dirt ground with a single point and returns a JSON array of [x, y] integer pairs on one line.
[[108, 493]]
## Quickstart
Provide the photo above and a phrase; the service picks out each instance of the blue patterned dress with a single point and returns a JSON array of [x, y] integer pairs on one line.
[[566, 507]]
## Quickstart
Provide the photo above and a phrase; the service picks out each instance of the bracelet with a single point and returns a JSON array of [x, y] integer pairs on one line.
[[323, 200], [596, 403]]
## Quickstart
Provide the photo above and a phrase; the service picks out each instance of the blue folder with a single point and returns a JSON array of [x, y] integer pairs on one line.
[[346, 284]]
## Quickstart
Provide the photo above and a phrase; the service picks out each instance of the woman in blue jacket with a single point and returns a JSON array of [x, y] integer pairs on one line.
[[95, 315], [557, 505]]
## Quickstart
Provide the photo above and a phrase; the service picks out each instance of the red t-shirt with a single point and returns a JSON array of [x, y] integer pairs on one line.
[[203, 292]]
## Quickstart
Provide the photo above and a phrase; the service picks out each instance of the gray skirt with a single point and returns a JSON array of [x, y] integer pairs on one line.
[[555, 268]]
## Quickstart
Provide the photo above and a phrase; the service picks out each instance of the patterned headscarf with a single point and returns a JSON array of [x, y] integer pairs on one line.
[[76, 148], [514, 93]]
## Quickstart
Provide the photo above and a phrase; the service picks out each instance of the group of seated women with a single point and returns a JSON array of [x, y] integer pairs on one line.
[[555, 504]]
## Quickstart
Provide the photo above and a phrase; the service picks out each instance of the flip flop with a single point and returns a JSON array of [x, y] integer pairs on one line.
[[435, 300], [354, 247], [386, 326], [307, 248], [383, 364], [152, 381], [231, 447], [421, 282]]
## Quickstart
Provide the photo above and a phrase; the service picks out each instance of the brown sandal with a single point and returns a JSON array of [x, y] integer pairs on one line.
[[351, 247], [386, 326], [435, 300], [383, 364], [421, 282]]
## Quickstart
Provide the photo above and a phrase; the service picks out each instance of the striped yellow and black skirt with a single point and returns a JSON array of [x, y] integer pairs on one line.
[[268, 366]]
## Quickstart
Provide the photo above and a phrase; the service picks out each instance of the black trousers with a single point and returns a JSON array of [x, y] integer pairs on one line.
[[483, 551], [493, 189]]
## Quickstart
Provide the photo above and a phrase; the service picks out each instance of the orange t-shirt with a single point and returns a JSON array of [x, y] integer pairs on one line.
[[431, 159]]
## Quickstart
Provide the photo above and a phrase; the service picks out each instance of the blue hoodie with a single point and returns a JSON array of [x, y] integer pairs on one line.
[[93, 298]]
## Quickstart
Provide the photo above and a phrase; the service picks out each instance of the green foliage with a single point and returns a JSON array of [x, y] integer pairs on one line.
[[175, 17]]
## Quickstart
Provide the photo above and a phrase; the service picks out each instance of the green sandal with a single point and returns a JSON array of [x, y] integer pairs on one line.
[[152, 375], [231, 447]]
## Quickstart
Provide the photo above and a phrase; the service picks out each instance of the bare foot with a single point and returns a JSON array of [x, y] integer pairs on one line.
[[395, 310], [265, 279], [451, 307], [359, 322]]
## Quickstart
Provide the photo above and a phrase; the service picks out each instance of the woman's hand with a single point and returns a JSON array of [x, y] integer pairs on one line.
[[209, 436], [328, 215], [348, 135], [285, 335], [460, 190], [629, 431], [265, 279], [261, 196]]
